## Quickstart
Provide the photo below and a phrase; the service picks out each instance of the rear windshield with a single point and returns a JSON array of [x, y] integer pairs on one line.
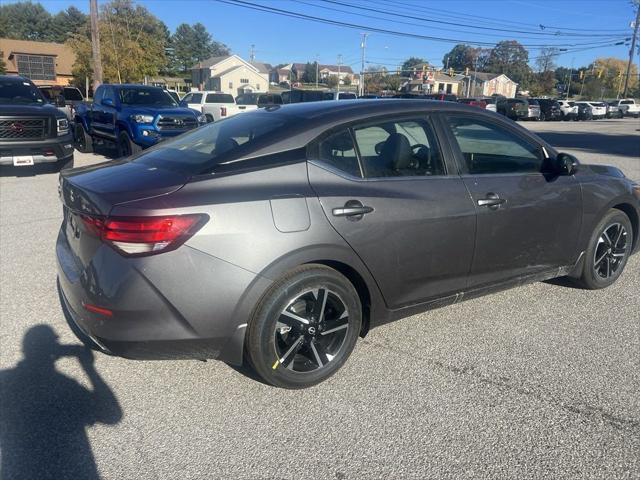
[[145, 96], [202, 149], [219, 98], [247, 99]]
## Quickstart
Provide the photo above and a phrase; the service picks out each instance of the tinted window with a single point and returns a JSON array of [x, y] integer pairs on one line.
[[145, 96], [108, 94], [19, 92], [337, 151], [202, 149], [196, 98], [627, 102], [488, 148], [174, 95], [97, 97], [246, 99], [219, 98], [346, 96], [72, 94], [399, 148]]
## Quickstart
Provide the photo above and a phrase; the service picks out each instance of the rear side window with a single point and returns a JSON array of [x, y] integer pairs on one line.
[[72, 94], [337, 151], [402, 148], [626, 102], [219, 98], [488, 148], [195, 98]]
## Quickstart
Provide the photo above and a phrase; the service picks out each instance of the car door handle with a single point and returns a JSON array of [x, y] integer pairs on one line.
[[353, 210], [492, 200]]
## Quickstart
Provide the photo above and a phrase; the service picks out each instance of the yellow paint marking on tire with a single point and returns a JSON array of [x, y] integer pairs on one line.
[[275, 365]]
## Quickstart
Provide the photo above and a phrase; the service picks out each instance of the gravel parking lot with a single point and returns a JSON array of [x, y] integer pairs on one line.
[[541, 381]]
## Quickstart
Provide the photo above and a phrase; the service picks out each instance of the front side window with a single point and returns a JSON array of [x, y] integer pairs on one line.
[[488, 148], [36, 67], [401, 148]]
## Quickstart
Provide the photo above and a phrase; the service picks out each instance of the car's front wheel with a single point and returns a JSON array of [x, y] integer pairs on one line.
[[608, 252], [126, 146], [304, 328]]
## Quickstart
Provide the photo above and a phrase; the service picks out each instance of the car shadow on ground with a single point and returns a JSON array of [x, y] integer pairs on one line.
[[601, 143], [44, 413]]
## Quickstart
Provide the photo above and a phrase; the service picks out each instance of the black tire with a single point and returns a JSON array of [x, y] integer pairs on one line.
[[82, 140], [605, 259], [209, 118], [542, 117], [282, 349], [126, 147]]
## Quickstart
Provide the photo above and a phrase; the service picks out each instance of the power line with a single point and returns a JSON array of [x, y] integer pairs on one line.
[[313, 18], [456, 24]]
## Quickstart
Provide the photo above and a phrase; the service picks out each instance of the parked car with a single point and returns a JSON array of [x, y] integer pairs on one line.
[[533, 109], [340, 96], [598, 109], [442, 97], [370, 96], [491, 103], [584, 110], [66, 98], [213, 105], [513, 108], [258, 100], [474, 102], [549, 109], [302, 96], [568, 110], [32, 130], [259, 237], [613, 109], [174, 94], [629, 107], [131, 117]]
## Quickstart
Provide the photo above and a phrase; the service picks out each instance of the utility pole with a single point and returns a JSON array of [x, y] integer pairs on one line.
[[95, 44], [363, 46], [570, 75], [317, 69], [339, 64], [632, 50], [252, 52]]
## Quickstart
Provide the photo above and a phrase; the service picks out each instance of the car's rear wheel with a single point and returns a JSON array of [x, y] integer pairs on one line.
[[608, 252], [82, 139], [304, 328], [126, 146]]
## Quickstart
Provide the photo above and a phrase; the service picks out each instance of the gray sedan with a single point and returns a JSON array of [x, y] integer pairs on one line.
[[280, 236]]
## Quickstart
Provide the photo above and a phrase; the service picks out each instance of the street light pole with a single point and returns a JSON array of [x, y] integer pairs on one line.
[[632, 50], [363, 46], [570, 75]]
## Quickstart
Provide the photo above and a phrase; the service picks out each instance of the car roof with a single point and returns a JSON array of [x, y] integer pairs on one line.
[[16, 78]]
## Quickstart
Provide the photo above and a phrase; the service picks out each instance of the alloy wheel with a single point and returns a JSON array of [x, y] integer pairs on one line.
[[311, 331], [610, 250]]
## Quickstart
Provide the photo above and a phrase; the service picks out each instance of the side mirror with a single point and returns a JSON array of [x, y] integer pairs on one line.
[[107, 102], [59, 101], [566, 164]]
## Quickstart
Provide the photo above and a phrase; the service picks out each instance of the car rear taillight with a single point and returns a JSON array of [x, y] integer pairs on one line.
[[223, 111], [136, 236]]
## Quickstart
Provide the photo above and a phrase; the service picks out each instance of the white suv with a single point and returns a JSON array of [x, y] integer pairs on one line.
[[214, 105], [598, 109], [569, 112]]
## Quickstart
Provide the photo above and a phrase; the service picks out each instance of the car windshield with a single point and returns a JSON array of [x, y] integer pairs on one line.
[[146, 96], [19, 92], [72, 94], [202, 149]]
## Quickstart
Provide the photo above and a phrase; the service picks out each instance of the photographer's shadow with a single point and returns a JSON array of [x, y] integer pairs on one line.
[[44, 414]]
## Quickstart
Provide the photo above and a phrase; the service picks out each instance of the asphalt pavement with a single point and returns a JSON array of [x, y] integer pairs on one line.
[[541, 381]]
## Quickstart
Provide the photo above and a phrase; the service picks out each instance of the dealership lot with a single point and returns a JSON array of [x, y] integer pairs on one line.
[[542, 381]]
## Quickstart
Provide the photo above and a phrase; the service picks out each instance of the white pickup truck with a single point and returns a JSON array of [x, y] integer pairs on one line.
[[629, 107], [215, 105]]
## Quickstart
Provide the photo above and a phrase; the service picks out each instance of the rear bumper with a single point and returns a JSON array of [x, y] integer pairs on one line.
[[176, 305], [43, 151]]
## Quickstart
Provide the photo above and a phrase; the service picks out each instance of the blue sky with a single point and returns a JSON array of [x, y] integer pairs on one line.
[[280, 39]]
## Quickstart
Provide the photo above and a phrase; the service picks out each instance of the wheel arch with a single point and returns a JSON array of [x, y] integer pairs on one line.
[[632, 214]]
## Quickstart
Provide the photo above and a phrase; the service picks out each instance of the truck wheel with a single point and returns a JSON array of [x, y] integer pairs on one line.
[[209, 118], [126, 146], [82, 139]]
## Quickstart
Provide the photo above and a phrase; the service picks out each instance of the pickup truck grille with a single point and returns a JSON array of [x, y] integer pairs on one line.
[[23, 128], [177, 122]]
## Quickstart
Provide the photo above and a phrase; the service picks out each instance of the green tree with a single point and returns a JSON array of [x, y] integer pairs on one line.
[[392, 82], [409, 63], [67, 23], [332, 81], [346, 81], [26, 21], [193, 44], [460, 57], [510, 58], [309, 74], [132, 44]]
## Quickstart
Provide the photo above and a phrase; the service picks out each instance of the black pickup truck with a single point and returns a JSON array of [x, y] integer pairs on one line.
[[32, 130]]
